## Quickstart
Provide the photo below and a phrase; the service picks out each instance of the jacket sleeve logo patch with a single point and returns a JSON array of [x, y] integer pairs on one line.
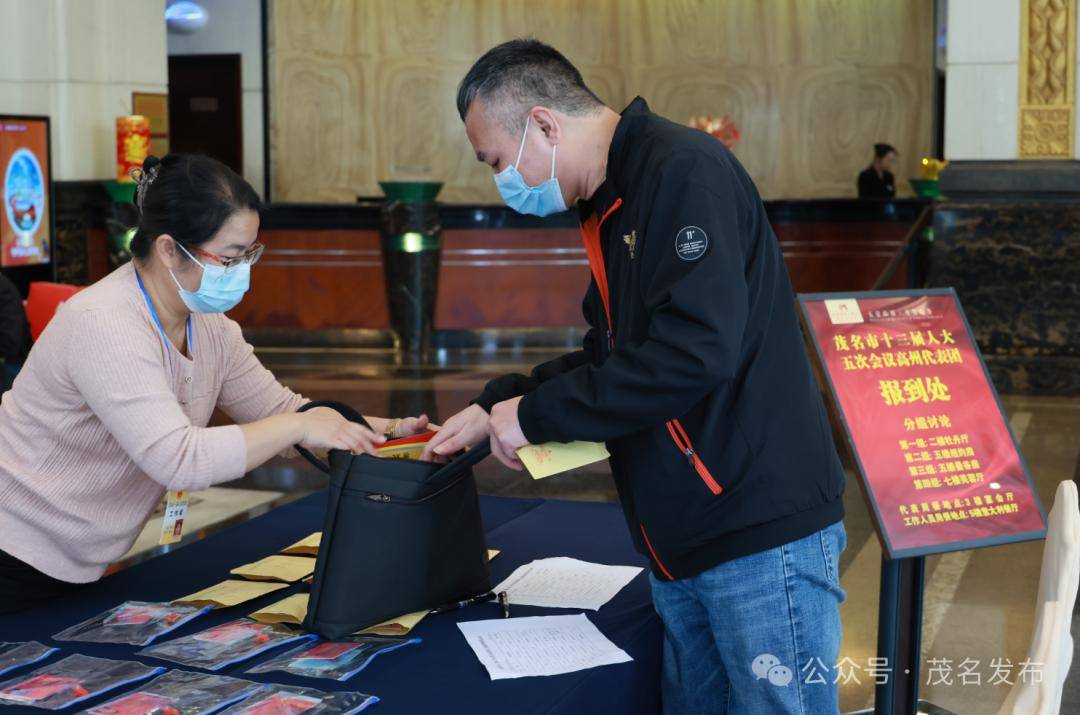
[[691, 243]]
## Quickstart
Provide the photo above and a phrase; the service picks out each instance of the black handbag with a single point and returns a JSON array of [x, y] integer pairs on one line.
[[400, 536]]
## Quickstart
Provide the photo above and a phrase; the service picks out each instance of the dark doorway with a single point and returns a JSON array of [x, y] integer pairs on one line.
[[205, 107]]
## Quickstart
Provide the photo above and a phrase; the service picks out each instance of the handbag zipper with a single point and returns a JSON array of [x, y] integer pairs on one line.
[[682, 441], [387, 499]]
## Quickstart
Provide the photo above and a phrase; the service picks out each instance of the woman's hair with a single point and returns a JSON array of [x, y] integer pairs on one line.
[[189, 197]]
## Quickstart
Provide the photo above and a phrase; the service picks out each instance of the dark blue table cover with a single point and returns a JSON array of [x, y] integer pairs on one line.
[[440, 675]]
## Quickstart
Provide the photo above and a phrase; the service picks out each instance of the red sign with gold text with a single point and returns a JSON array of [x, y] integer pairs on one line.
[[938, 462]]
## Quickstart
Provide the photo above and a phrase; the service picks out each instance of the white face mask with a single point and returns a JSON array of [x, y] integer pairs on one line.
[[220, 289], [541, 200]]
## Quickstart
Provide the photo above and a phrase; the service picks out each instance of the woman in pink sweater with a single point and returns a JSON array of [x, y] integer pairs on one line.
[[112, 406]]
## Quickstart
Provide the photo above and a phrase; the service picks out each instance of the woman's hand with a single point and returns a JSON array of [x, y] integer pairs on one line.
[[325, 428]]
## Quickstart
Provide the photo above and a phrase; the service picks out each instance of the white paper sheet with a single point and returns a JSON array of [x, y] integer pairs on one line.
[[563, 582], [540, 645]]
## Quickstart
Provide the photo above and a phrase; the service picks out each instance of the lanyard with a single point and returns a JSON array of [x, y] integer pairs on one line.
[[176, 502], [161, 329]]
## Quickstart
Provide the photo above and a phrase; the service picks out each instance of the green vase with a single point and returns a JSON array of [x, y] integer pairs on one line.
[[120, 222], [411, 247]]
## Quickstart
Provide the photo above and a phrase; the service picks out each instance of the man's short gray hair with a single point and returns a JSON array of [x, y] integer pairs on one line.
[[518, 75]]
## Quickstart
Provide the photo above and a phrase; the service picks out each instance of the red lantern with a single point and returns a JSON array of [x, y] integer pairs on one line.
[[132, 144]]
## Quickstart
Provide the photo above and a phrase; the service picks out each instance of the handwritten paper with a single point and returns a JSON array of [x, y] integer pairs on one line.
[[563, 582], [544, 460], [540, 645], [230, 593]]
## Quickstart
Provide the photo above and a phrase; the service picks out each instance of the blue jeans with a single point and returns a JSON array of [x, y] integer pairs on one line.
[[758, 635]]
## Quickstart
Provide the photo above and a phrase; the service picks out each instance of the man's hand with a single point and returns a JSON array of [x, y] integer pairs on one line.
[[409, 426], [464, 429], [506, 434]]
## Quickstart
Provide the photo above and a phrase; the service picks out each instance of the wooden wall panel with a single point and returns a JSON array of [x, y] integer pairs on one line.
[[363, 90], [316, 280], [510, 278]]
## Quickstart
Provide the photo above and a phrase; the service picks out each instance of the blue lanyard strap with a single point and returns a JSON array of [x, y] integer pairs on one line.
[[161, 328]]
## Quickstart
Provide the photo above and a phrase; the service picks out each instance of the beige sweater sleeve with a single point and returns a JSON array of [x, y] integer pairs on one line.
[[250, 392], [118, 372]]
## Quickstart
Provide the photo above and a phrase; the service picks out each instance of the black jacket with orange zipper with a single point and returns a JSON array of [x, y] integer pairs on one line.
[[695, 372]]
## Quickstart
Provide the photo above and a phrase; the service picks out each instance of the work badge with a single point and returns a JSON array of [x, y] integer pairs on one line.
[[172, 524]]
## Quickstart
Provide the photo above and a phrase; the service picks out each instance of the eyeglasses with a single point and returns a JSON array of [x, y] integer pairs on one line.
[[250, 257]]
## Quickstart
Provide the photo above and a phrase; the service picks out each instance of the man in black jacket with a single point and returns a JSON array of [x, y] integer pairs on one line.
[[694, 373]]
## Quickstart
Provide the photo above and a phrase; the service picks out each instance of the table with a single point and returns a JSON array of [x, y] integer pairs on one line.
[[439, 675]]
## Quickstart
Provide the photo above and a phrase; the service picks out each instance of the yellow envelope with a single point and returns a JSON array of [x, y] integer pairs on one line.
[[293, 609], [290, 610], [308, 546], [289, 569], [395, 626], [230, 593], [544, 460]]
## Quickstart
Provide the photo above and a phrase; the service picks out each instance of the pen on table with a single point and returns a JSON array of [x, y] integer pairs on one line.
[[482, 598], [504, 599]]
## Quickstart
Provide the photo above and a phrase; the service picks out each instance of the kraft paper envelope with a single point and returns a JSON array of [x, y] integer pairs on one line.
[[544, 460], [290, 610], [293, 609], [305, 547], [289, 569], [230, 593], [395, 626], [310, 547], [403, 624]]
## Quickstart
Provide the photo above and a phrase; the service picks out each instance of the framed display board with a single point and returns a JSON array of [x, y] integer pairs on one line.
[[938, 463], [26, 218]]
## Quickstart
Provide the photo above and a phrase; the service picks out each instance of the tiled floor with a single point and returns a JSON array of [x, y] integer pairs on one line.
[[978, 605]]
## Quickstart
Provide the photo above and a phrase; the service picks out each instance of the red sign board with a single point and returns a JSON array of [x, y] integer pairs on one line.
[[938, 462]]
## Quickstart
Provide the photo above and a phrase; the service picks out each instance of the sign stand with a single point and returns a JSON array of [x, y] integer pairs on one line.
[[939, 466], [899, 641]]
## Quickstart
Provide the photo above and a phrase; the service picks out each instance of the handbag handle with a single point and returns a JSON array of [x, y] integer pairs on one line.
[[345, 411], [472, 456]]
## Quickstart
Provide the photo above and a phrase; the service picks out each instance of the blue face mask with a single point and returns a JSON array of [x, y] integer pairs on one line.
[[541, 200], [220, 289]]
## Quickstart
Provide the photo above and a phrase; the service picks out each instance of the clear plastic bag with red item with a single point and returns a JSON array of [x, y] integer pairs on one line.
[[286, 700], [17, 655], [131, 623], [72, 680], [224, 645], [180, 692], [337, 660]]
